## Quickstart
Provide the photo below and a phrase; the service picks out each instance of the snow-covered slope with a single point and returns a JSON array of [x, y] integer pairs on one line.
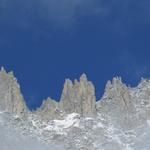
[[13, 137], [70, 133]]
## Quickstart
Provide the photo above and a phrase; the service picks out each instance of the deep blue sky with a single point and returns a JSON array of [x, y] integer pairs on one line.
[[46, 41]]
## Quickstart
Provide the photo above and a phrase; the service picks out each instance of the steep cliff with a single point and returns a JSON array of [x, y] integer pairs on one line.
[[79, 97], [11, 99], [49, 109], [118, 103], [120, 120]]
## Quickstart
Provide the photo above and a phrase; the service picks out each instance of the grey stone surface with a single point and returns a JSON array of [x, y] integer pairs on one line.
[[117, 103], [11, 99], [48, 110], [120, 121], [79, 97]]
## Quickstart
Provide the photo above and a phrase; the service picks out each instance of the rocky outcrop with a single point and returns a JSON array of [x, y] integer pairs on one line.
[[11, 99], [141, 98], [117, 102], [48, 110], [79, 97], [117, 92], [124, 106]]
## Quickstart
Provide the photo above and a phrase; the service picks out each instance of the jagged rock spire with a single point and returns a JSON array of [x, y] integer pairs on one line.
[[49, 109], [11, 99], [144, 83], [117, 102], [3, 69], [78, 97], [117, 90], [66, 101], [83, 78]]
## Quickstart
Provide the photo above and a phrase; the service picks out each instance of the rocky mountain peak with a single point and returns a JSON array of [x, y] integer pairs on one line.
[[68, 83], [116, 88], [117, 102], [117, 94], [144, 84], [122, 120], [49, 103], [2, 69], [11, 99], [83, 78], [79, 97], [49, 109], [117, 81]]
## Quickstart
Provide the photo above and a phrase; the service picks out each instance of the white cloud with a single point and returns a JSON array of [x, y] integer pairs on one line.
[[64, 12], [58, 12], [117, 13]]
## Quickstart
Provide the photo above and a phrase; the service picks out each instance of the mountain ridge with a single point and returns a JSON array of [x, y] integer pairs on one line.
[[74, 93], [119, 121]]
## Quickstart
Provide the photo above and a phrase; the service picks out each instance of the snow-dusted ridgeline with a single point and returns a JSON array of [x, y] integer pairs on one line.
[[119, 121]]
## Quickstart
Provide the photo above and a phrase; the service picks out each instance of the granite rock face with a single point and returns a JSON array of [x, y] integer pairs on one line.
[[79, 97], [11, 99], [49, 109], [141, 97], [117, 92], [117, 103], [122, 119]]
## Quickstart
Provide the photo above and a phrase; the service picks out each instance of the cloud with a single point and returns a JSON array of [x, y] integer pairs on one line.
[[67, 12], [117, 13]]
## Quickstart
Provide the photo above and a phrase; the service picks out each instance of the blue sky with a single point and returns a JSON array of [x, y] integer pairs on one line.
[[46, 41]]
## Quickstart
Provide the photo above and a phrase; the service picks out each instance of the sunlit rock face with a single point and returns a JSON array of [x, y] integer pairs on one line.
[[141, 97], [117, 103], [11, 99], [119, 121], [48, 110], [117, 94], [79, 97]]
